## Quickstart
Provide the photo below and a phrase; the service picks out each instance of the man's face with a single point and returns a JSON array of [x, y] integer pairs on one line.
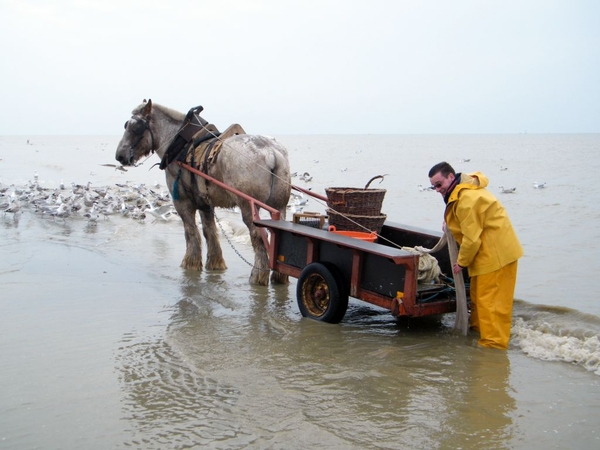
[[440, 183]]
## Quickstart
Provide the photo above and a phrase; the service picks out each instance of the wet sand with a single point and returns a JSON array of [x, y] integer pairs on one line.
[[107, 343]]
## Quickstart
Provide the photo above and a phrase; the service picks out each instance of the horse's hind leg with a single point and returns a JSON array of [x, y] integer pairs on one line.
[[260, 269], [278, 277], [214, 254], [193, 245]]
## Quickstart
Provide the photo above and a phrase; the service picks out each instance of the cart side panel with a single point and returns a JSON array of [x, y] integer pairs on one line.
[[378, 274], [383, 276], [340, 256], [294, 249]]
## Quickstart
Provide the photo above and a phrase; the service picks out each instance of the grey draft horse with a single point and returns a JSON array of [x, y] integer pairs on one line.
[[255, 165]]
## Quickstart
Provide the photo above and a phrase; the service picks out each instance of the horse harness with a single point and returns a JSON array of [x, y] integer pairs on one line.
[[139, 127], [197, 143]]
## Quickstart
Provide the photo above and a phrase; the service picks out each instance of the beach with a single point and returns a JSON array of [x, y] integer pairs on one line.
[[108, 343]]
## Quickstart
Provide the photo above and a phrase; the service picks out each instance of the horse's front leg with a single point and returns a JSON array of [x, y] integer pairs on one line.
[[214, 254], [193, 243]]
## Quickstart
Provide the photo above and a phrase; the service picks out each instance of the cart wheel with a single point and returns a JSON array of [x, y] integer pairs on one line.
[[321, 293]]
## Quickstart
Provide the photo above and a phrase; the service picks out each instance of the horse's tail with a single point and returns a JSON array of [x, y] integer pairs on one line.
[[281, 185]]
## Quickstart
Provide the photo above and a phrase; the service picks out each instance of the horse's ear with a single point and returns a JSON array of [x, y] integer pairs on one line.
[[147, 108]]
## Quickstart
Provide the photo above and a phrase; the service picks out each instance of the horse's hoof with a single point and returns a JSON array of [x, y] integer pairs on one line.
[[212, 264], [259, 277], [279, 278], [191, 266]]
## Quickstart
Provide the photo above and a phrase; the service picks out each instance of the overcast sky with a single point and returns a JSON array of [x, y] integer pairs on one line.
[[303, 67]]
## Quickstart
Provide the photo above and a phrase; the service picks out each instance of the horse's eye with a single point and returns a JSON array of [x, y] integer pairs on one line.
[[137, 126], [125, 126]]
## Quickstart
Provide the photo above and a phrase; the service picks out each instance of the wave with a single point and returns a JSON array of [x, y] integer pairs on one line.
[[557, 334]]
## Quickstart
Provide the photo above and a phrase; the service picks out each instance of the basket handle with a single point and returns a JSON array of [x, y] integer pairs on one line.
[[373, 179]]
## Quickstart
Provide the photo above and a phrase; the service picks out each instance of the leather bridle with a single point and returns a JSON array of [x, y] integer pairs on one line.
[[140, 131]]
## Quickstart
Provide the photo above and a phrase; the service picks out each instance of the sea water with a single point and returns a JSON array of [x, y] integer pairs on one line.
[[107, 343]]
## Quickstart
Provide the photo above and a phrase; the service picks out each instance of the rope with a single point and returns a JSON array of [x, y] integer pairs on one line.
[[429, 269], [462, 313]]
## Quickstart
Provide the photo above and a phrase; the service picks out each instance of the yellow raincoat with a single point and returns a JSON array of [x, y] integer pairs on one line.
[[489, 249]]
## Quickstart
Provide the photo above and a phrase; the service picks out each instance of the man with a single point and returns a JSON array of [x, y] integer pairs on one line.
[[489, 249]]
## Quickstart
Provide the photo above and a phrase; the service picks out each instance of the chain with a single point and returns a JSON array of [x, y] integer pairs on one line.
[[233, 246]]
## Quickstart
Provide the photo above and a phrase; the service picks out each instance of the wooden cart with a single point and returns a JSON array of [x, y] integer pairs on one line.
[[331, 267]]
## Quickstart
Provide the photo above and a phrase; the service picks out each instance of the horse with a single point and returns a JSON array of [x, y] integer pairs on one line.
[[255, 165]]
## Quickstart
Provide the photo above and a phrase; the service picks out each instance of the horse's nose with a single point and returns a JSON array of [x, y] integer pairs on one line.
[[122, 159]]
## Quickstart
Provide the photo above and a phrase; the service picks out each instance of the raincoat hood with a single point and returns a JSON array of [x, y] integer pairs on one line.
[[475, 180]]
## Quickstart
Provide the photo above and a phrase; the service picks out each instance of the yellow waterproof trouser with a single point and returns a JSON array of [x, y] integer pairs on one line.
[[492, 296]]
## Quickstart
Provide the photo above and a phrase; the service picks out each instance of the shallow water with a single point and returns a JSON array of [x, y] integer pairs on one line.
[[107, 343]]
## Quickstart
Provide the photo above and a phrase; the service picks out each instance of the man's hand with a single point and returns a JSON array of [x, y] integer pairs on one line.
[[456, 268]]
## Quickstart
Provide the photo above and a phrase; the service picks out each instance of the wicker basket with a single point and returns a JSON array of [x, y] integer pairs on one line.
[[355, 201], [355, 222], [362, 202]]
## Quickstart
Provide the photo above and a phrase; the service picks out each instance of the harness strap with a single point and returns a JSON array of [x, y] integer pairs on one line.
[[207, 155], [192, 124]]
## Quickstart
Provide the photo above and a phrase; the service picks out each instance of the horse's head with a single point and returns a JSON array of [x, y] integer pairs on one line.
[[138, 139]]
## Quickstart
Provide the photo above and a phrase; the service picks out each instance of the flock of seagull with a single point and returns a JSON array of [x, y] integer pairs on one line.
[[136, 201], [95, 203]]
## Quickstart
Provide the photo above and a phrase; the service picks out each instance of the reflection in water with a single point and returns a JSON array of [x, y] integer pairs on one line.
[[484, 418], [169, 404], [240, 368], [10, 220]]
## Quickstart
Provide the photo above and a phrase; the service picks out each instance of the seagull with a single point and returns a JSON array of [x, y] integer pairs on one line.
[[163, 213], [92, 215], [138, 214], [297, 196], [537, 185], [109, 209], [14, 206], [305, 177], [507, 190], [62, 212], [428, 188], [125, 209], [502, 168]]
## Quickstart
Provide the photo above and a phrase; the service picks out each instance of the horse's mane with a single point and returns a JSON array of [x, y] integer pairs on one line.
[[165, 110]]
